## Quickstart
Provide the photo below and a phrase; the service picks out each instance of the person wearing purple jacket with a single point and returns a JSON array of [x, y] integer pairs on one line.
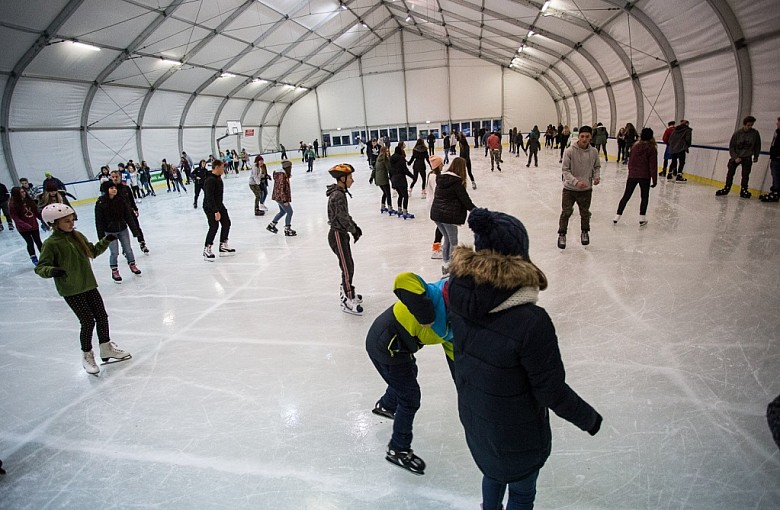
[[642, 168]]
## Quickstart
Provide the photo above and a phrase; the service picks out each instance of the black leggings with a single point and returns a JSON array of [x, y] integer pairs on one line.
[[387, 196], [88, 307], [437, 236], [421, 174], [631, 184], [468, 169], [32, 238], [403, 198]]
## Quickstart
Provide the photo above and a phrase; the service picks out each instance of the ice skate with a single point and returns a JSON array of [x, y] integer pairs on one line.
[[722, 192], [289, 232], [473, 185], [357, 297], [669, 176], [272, 228], [109, 351], [773, 196], [115, 275], [585, 238], [259, 212], [134, 269], [208, 255], [10, 227], [34, 260], [392, 212], [144, 249], [88, 362], [351, 306], [406, 459], [616, 219], [225, 250], [562, 241], [642, 220], [408, 215], [744, 193], [383, 210], [436, 251], [379, 410], [680, 179]]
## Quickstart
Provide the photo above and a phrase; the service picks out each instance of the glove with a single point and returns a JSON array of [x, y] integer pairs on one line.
[[595, 428], [58, 272], [110, 238], [357, 233]]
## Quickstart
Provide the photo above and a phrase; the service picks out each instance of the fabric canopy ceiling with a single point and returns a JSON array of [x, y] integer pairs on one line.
[[649, 54]]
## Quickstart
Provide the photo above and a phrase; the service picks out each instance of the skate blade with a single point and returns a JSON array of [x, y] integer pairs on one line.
[[383, 415], [226, 254], [413, 471], [351, 312], [111, 361]]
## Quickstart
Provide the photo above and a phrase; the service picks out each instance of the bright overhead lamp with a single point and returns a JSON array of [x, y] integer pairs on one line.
[[338, 129], [546, 5], [259, 80], [227, 75], [408, 18], [531, 33], [85, 46], [171, 61], [343, 7], [521, 48]]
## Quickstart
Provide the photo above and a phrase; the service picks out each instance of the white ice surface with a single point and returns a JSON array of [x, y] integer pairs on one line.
[[249, 388]]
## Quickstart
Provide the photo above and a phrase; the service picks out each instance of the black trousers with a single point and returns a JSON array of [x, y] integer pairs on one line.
[[644, 188], [731, 169], [198, 187], [339, 244], [673, 166], [90, 310], [224, 221], [421, 175], [387, 196], [403, 198], [32, 238]]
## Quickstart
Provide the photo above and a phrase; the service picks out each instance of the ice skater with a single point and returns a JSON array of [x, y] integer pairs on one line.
[[113, 216], [642, 168], [581, 171], [341, 225], [24, 213], [66, 257], [508, 367], [282, 195], [418, 318], [216, 213]]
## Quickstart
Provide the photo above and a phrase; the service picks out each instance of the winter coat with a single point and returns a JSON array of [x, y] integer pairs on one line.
[[580, 165], [123, 190], [200, 173], [745, 144], [396, 335], [643, 162], [372, 153], [25, 218], [381, 172], [419, 157], [680, 139], [213, 193], [398, 170], [112, 215], [309, 155], [508, 368], [338, 210], [62, 250], [451, 201], [600, 136], [773, 419], [281, 192], [493, 142], [667, 134], [465, 150], [533, 141], [255, 174], [446, 142], [631, 137], [4, 195]]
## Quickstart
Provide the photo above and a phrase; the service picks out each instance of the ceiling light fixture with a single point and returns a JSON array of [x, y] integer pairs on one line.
[[408, 17], [227, 75], [521, 48], [531, 33], [259, 80], [546, 5], [171, 61], [85, 46], [343, 7]]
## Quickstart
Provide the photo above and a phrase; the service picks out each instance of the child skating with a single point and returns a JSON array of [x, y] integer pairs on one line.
[[341, 225], [66, 257], [283, 197]]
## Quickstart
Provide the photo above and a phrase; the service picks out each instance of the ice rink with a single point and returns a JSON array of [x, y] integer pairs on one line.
[[249, 388]]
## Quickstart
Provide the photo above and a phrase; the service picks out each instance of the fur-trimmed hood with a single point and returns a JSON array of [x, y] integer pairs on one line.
[[488, 267], [486, 281]]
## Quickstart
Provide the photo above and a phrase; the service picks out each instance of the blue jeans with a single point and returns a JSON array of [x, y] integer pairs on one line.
[[127, 249], [284, 209], [450, 237], [403, 397], [521, 494]]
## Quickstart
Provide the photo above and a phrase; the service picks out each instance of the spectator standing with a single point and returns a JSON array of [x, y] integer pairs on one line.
[[744, 148], [679, 143]]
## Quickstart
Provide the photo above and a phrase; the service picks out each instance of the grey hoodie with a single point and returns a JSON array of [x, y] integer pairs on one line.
[[580, 165], [745, 144]]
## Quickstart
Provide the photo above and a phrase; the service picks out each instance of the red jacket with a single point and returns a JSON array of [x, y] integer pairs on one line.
[[493, 142], [667, 134]]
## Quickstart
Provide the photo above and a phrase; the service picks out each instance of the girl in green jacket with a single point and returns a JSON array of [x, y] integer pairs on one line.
[[66, 256]]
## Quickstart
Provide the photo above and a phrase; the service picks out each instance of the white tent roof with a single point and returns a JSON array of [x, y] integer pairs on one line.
[[601, 59]]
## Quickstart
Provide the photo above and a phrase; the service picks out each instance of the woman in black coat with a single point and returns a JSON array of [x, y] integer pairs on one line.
[[114, 216], [398, 174], [465, 153], [418, 159], [451, 202], [508, 368]]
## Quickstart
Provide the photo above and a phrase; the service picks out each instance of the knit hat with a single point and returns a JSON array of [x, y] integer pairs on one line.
[[50, 186], [47, 174], [498, 231], [436, 161], [646, 135], [286, 164]]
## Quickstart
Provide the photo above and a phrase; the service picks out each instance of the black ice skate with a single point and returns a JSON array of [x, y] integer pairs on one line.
[[722, 192], [382, 411], [406, 459], [744, 193], [289, 232]]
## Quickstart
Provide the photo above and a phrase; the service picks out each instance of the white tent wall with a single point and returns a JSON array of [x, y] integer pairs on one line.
[[526, 102], [625, 104], [269, 137], [711, 99], [426, 95], [158, 144], [604, 111], [766, 79], [111, 147], [340, 102], [385, 98], [115, 107], [658, 100], [35, 152], [196, 142], [475, 88], [46, 104], [202, 112], [5, 175], [300, 123]]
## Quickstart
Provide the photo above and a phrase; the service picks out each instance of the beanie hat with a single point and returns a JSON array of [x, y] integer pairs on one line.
[[286, 164], [499, 232], [646, 135], [47, 174], [50, 186], [436, 161]]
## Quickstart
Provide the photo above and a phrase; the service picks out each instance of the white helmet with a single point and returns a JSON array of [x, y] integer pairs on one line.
[[53, 212]]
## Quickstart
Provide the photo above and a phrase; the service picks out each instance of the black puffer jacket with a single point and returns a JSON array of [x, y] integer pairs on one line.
[[419, 157], [451, 201], [508, 369], [112, 215], [398, 170]]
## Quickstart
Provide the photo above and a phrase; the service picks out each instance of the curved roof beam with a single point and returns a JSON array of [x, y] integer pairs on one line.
[[741, 56], [110, 68], [199, 46], [5, 105]]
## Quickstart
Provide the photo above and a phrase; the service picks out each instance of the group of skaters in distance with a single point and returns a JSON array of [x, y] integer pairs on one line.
[[482, 311]]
